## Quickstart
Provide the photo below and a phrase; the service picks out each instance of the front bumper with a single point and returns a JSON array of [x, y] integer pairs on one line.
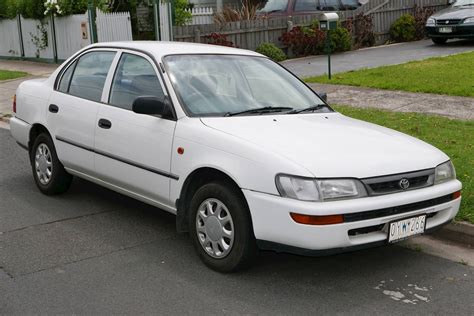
[[275, 229], [458, 31]]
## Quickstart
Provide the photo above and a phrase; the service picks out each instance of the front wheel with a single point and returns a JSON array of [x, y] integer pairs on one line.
[[221, 228], [439, 40], [48, 172]]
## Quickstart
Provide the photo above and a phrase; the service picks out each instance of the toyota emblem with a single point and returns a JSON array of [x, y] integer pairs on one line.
[[447, 22], [404, 184]]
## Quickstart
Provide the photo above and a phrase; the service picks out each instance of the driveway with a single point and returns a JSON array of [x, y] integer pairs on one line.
[[92, 251], [375, 57]]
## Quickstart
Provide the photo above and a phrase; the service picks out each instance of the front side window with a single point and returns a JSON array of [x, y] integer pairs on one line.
[[135, 77], [306, 5], [461, 3], [217, 85], [89, 75], [274, 6]]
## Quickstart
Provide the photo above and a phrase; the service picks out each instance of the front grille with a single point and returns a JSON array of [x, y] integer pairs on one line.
[[365, 230], [392, 183], [448, 22], [360, 216]]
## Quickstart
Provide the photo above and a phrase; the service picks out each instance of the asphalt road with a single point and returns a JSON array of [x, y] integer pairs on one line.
[[92, 251], [375, 57]]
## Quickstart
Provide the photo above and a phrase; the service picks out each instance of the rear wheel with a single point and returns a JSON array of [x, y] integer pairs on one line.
[[48, 172], [221, 228], [439, 40]]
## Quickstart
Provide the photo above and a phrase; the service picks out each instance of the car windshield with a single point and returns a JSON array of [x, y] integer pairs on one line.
[[461, 3], [220, 85], [274, 6]]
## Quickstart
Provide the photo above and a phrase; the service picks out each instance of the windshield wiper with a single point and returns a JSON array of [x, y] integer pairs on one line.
[[265, 109], [308, 109]]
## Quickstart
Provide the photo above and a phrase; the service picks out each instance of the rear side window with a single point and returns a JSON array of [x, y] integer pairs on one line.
[[89, 75], [66, 78], [134, 77]]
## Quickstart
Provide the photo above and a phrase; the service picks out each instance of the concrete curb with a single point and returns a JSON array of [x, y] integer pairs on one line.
[[458, 232]]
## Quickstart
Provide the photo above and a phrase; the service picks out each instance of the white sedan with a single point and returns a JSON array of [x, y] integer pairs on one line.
[[244, 153]]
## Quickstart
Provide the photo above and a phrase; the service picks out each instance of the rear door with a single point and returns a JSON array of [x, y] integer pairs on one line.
[[133, 151], [73, 108]]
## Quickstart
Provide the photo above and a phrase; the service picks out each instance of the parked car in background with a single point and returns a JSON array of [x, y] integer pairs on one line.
[[457, 21], [243, 152], [304, 7]]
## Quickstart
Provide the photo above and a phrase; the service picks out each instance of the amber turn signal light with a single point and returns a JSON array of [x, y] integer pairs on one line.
[[317, 220]]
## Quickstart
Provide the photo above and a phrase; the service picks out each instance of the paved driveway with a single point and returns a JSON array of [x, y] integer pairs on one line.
[[92, 251], [375, 57]]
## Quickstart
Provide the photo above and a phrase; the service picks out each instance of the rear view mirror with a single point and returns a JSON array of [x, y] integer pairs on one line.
[[152, 106]]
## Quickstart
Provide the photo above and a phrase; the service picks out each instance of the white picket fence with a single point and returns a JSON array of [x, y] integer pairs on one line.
[[164, 10], [201, 16], [112, 27], [37, 40]]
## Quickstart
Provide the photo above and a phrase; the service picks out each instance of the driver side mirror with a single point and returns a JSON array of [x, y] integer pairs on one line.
[[152, 106], [323, 96]]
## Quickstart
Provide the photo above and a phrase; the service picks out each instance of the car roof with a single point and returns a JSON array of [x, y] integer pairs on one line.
[[160, 49]]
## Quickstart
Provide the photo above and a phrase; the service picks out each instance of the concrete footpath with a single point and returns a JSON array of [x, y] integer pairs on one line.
[[449, 106], [8, 87]]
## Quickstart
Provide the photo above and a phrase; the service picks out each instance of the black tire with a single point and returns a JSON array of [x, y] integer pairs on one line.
[[60, 180], [439, 40], [243, 250]]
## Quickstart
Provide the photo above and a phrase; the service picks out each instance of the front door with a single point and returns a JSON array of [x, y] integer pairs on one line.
[[133, 151]]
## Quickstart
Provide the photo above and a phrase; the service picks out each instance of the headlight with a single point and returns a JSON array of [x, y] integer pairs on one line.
[[444, 172], [304, 189], [308, 189], [469, 20], [430, 22]]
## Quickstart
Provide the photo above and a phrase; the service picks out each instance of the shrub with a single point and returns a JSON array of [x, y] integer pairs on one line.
[[248, 11], [181, 13], [403, 29], [218, 39], [271, 51], [341, 40], [310, 40], [363, 31], [421, 16]]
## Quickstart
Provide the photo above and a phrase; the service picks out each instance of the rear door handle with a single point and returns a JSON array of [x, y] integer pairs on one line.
[[53, 108], [103, 123]]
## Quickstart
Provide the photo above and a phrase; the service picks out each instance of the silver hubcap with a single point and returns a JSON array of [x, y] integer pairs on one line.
[[43, 164], [215, 228]]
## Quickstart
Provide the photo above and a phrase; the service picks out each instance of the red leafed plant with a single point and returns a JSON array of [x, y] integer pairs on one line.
[[304, 41], [218, 39]]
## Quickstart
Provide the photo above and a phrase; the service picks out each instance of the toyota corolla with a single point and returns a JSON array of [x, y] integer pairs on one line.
[[243, 152]]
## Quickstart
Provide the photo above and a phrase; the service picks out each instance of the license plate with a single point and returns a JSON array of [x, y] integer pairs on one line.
[[405, 228], [445, 30]]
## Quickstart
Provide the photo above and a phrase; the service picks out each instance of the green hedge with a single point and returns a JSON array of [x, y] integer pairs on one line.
[[271, 51], [403, 29]]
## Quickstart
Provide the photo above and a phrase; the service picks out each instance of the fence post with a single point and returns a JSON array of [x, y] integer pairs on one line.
[[156, 20], [197, 36], [53, 38], [92, 25], [20, 33]]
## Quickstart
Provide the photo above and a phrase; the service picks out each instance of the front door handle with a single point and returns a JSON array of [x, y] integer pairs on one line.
[[53, 108], [103, 123]]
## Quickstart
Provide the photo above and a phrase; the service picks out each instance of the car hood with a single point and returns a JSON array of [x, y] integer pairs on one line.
[[454, 13], [332, 145]]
